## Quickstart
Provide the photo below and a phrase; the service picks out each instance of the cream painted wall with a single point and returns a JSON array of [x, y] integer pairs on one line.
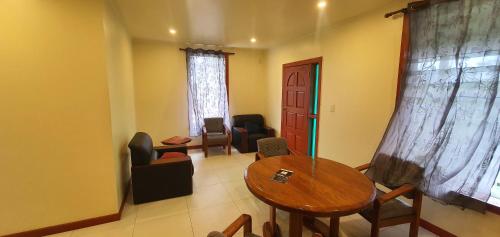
[[360, 64], [161, 87], [121, 93], [360, 58], [55, 137]]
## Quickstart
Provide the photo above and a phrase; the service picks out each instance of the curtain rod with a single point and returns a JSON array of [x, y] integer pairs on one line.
[[207, 50], [415, 6]]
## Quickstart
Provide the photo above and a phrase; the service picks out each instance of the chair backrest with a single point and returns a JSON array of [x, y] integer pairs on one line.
[[214, 125], [141, 149], [240, 120], [272, 146]]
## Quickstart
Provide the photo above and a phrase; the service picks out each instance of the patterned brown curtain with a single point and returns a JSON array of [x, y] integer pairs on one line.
[[444, 134]]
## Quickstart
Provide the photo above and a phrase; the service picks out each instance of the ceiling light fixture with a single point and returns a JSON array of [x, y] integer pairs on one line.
[[321, 4], [253, 40], [172, 31]]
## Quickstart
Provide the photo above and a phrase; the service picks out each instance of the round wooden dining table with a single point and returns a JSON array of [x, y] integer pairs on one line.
[[317, 188]]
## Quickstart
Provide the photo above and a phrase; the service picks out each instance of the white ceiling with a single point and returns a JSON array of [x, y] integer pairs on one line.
[[231, 23]]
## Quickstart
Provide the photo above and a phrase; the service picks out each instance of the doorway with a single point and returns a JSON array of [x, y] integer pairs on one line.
[[300, 98]]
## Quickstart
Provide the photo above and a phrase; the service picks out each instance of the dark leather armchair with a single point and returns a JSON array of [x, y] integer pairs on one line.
[[155, 179], [247, 129]]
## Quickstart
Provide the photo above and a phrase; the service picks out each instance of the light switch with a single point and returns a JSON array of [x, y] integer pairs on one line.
[[332, 108]]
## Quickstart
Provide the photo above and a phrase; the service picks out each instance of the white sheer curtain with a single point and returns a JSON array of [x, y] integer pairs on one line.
[[447, 122], [207, 94]]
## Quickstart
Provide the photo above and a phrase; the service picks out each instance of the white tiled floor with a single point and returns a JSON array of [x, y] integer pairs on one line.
[[220, 196]]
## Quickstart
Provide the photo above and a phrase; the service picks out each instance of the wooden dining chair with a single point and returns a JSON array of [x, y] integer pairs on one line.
[[244, 221], [272, 146], [215, 133], [388, 210]]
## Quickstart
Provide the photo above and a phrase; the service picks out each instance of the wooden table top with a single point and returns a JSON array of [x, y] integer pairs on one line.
[[320, 188]]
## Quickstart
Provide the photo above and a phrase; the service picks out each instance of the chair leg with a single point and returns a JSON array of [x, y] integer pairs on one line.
[[414, 228], [229, 149], [205, 150], [374, 231]]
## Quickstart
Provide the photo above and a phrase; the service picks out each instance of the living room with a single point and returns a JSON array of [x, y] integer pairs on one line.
[[81, 78]]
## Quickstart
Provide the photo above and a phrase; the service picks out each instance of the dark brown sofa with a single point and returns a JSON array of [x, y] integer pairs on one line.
[[247, 129], [155, 179]]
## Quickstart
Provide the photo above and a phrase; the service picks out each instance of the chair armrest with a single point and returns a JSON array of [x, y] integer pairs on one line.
[[317, 235], [406, 188], [363, 167], [244, 221], [269, 131], [293, 153], [240, 130]]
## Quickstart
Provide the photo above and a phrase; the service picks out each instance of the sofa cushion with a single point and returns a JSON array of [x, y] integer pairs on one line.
[[168, 155], [252, 127], [256, 136], [216, 138]]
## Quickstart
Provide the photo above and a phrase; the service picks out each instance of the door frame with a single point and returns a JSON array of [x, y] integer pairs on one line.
[[319, 61]]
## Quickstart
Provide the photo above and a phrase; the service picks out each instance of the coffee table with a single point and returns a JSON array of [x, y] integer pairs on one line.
[[195, 143], [317, 188]]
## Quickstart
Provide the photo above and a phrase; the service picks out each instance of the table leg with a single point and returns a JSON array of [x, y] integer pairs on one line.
[[295, 228], [334, 226], [270, 228], [272, 219]]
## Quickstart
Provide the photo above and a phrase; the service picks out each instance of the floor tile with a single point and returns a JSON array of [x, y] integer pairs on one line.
[[231, 173], [208, 196], [163, 208], [214, 218], [220, 196], [174, 225], [237, 189]]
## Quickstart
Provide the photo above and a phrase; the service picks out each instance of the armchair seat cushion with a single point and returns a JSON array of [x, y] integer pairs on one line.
[[216, 138], [168, 155], [253, 127], [391, 209], [256, 136]]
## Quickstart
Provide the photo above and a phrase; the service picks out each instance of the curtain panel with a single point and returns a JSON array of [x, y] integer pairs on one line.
[[207, 94], [445, 131]]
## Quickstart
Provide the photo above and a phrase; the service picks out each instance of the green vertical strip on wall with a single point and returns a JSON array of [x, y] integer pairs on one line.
[[315, 112]]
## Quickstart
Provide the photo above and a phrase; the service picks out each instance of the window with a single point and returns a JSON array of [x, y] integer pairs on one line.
[[495, 193], [444, 134], [207, 88]]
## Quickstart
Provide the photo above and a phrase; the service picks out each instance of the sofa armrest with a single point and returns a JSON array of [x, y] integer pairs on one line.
[[269, 131], [240, 138]]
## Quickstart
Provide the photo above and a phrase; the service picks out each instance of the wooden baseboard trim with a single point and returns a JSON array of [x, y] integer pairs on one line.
[[50, 230], [435, 229]]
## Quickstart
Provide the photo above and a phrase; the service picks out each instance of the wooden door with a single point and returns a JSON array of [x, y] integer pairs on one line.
[[295, 106]]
